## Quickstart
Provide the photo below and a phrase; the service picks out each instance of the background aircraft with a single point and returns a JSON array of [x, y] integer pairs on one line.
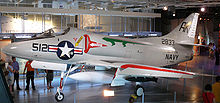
[[130, 57]]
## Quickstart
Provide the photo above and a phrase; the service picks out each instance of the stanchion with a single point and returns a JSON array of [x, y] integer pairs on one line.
[[24, 86], [142, 98], [44, 79], [74, 98], [167, 85], [202, 79], [174, 97], [212, 76], [38, 98], [184, 86], [184, 82]]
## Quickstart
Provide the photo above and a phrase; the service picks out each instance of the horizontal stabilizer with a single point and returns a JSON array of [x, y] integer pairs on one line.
[[191, 44], [205, 75]]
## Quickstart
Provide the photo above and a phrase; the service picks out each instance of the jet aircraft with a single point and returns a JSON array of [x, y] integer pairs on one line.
[[137, 60]]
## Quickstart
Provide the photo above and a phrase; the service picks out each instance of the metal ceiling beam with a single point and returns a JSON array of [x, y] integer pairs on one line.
[[55, 11]]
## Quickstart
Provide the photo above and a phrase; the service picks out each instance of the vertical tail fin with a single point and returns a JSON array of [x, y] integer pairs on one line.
[[185, 31]]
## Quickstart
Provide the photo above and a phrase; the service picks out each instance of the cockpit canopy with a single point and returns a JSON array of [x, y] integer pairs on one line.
[[49, 34]]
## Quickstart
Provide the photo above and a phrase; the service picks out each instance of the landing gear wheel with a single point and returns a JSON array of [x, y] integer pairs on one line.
[[139, 90], [59, 97]]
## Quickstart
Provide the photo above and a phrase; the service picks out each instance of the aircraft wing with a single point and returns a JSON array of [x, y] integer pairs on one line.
[[140, 71], [146, 72], [136, 70], [121, 75], [151, 71]]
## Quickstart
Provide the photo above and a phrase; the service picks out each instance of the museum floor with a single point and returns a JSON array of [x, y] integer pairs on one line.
[[161, 92]]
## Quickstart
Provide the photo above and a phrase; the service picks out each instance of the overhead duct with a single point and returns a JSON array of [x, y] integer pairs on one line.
[[16, 1]]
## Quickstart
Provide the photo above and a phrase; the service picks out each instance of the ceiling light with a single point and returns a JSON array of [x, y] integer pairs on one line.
[[202, 9], [113, 35], [165, 8]]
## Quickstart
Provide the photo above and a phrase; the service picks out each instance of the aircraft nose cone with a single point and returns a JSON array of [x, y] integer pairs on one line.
[[9, 49], [15, 49]]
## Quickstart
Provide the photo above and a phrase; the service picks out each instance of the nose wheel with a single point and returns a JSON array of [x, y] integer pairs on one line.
[[139, 90], [59, 96]]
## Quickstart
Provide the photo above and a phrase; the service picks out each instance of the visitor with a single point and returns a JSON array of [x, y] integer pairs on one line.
[[216, 89], [29, 75], [49, 78], [10, 77], [16, 74]]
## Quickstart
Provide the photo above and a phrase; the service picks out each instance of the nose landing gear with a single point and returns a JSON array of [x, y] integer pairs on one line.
[[59, 96]]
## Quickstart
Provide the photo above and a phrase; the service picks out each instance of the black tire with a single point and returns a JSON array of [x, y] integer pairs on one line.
[[59, 97], [131, 100], [139, 91]]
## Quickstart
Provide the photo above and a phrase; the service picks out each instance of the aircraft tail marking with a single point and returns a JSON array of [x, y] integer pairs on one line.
[[185, 31]]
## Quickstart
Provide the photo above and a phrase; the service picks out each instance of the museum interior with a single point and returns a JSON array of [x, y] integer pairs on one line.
[[137, 43]]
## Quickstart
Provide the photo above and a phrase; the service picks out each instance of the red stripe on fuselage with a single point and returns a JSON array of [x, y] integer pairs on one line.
[[77, 50], [53, 48], [152, 68]]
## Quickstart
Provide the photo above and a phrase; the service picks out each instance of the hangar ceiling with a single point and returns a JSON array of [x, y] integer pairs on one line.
[[124, 5]]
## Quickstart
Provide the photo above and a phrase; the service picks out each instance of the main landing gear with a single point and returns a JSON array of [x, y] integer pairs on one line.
[[139, 91]]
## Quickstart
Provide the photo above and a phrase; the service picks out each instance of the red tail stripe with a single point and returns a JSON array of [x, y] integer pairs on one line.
[[152, 68]]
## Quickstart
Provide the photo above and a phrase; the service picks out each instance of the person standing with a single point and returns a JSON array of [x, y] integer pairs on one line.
[[49, 78], [16, 74], [216, 89], [10, 77], [208, 96], [29, 75]]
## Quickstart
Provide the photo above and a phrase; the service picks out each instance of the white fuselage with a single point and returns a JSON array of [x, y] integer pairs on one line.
[[158, 54]]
